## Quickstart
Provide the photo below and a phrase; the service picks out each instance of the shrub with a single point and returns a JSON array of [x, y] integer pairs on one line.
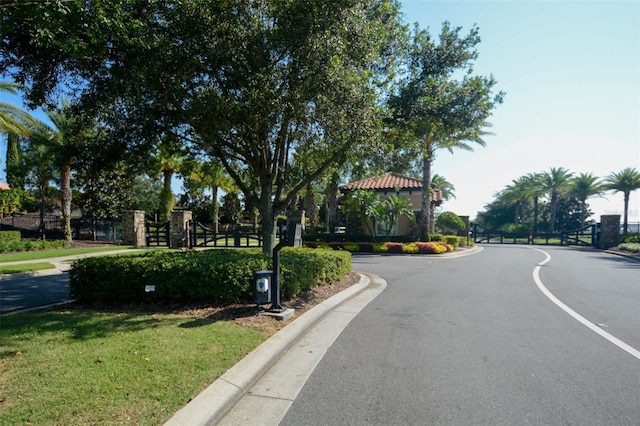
[[352, 247], [394, 247], [630, 247], [211, 275], [452, 240], [9, 237], [410, 248], [449, 221], [366, 248], [303, 269], [30, 245], [631, 238], [380, 248], [434, 247]]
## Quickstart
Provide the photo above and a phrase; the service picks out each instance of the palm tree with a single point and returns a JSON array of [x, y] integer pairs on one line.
[[211, 174], [64, 142], [583, 186], [38, 161], [518, 192], [536, 190], [13, 119], [389, 209], [360, 207], [626, 181], [448, 192], [556, 183], [167, 161]]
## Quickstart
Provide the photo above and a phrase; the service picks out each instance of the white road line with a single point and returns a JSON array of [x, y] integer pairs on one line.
[[619, 343]]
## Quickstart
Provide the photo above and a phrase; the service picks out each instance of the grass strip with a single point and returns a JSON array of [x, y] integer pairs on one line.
[[46, 254], [98, 367], [28, 267]]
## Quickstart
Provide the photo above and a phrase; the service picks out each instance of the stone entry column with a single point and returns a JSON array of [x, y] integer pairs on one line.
[[295, 227], [133, 230], [180, 228], [609, 231]]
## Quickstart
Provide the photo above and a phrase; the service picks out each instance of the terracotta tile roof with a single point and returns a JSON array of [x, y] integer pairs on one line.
[[4, 186], [391, 182], [388, 181]]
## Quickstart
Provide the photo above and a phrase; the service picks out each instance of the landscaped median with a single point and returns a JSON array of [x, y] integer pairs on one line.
[[444, 245], [119, 360]]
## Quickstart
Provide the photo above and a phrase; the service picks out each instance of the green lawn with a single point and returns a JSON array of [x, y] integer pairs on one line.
[[45, 254], [29, 267], [99, 367]]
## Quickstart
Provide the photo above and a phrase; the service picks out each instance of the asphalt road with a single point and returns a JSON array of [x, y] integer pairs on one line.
[[18, 294], [475, 341]]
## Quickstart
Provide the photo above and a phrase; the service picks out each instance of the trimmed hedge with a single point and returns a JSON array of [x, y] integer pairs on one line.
[[212, 275], [7, 237], [10, 242]]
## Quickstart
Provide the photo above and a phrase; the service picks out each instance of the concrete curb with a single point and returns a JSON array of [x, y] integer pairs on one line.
[[212, 403]]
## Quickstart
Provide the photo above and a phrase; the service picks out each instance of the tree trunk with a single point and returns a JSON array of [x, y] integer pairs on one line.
[[65, 190], [312, 211], [41, 192], [426, 198], [625, 223], [535, 215], [432, 219], [332, 202], [214, 206], [268, 219], [554, 207]]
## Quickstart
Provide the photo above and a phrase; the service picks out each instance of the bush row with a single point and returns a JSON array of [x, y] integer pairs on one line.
[[448, 243], [351, 238], [30, 245], [630, 247], [631, 237], [212, 275], [9, 237]]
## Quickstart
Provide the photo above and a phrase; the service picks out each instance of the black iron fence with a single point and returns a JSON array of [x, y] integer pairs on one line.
[[586, 236], [31, 226]]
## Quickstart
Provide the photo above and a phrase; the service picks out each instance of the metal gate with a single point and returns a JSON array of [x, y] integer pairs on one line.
[[586, 237], [158, 233], [201, 236]]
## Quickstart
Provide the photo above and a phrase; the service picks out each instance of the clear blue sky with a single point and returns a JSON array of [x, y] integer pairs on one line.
[[571, 73]]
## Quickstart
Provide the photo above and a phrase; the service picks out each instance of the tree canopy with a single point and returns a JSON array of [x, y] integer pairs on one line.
[[248, 82]]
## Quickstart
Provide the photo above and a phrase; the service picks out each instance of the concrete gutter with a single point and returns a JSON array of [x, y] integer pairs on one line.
[[216, 400]]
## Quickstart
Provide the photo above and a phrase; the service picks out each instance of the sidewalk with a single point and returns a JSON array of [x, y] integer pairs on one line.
[[61, 264], [254, 388]]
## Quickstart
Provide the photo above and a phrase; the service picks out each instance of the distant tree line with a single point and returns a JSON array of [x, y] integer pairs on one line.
[[554, 200]]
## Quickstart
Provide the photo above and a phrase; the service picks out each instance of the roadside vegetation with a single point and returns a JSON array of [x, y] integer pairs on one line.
[[111, 366], [630, 243], [122, 355]]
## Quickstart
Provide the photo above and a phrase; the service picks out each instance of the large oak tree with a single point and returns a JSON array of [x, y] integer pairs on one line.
[[249, 82]]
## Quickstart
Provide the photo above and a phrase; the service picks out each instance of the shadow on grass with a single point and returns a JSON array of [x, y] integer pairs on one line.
[[79, 323], [225, 314]]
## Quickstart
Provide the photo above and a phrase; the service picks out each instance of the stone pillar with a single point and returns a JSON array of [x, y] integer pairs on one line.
[[295, 227], [133, 229], [609, 231], [180, 228]]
